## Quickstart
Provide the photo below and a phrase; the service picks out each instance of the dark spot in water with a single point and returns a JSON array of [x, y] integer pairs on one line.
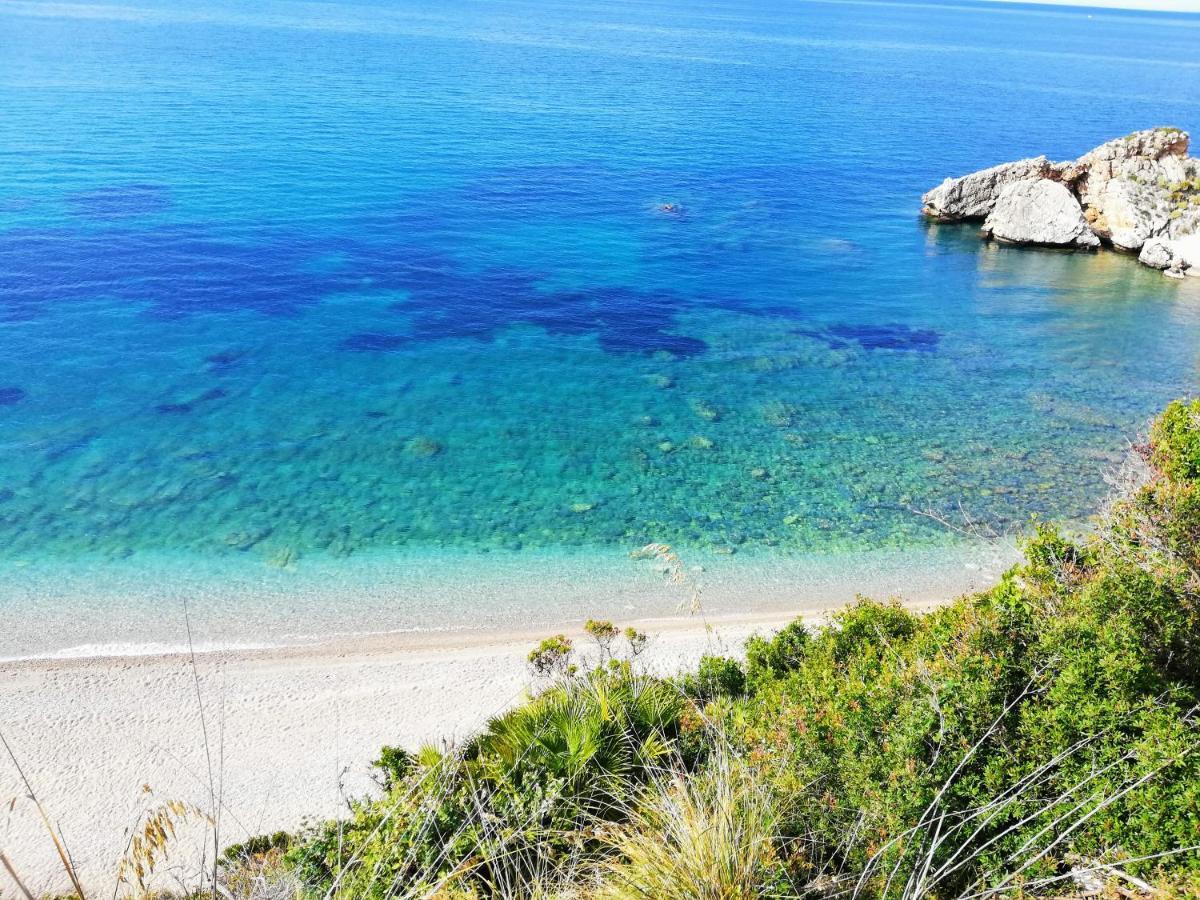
[[120, 201], [626, 320], [889, 337], [375, 414], [10, 396], [876, 337], [650, 340], [226, 359], [188, 406]]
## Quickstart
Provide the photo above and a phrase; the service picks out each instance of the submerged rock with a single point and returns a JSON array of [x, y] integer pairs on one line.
[[1139, 193], [423, 447], [1040, 212], [11, 396], [705, 410]]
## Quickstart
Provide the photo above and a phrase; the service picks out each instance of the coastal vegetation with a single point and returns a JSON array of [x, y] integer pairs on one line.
[[1036, 739]]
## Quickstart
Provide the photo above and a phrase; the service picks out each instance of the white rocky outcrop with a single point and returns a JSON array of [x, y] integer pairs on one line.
[[1042, 212], [1157, 253], [1139, 193], [1175, 257], [974, 195], [1128, 213]]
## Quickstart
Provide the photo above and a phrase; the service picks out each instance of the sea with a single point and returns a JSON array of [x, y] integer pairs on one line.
[[344, 318]]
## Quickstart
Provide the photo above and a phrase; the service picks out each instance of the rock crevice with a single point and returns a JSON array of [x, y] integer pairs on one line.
[[1139, 194]]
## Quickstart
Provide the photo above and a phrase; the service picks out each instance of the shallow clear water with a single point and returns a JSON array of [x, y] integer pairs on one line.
[[322, 281]]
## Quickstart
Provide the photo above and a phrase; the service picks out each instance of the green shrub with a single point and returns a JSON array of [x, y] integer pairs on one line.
[[552, 657], [870, 626], [604, 633], [392, 765], [778, 655], [715, 676], [518, 800], [257, 845], [1175, 441]]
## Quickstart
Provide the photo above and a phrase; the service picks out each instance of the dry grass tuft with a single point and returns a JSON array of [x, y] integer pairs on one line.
[[709, 836], [676, 572], [150, 841]]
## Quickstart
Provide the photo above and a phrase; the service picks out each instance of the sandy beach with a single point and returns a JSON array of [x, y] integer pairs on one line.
[[291, 731]]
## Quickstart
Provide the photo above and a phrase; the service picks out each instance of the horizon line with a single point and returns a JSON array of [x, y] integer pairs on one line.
[[1169, 6]]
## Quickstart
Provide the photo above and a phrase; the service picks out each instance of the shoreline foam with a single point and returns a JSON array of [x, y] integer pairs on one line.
[[99, 608]]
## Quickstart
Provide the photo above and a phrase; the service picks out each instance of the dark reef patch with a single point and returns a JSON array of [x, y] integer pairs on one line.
[[11, 396], [447, 304], [876, 337], [187, 406], [185, 270], [178, 271], [226, 359]]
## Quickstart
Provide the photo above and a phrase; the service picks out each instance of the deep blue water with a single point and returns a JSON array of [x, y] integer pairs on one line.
[[295, 280]]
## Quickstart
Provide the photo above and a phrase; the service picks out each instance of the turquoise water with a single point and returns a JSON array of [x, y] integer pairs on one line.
[[312, 282]]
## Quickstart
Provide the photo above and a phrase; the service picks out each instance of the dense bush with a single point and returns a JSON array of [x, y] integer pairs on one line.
[[521, 799], [1000, 744], [778, 655], [1175, 441], [715, 676]]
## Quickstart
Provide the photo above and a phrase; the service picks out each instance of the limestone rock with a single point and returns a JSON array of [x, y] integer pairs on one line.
[[1126, 184], [974, 195], [1127, 212], [1139, 193], [1160, 150], [1187, 251], [1039, 211], [1174, 257], [1157, 253], [1185, 221]]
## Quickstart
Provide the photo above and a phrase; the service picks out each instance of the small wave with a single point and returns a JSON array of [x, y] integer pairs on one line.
[[125, 649]]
